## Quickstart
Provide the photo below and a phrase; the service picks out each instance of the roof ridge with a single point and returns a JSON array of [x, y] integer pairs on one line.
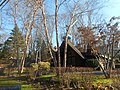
[[76, 49]]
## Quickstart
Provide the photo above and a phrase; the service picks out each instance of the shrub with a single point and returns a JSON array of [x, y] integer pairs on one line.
[[40, 68], [116, 78], [44, 65], [35, 66], [77, 77]]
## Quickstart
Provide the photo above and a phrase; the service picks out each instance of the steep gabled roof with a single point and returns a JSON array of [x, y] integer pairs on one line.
[[75, 49]]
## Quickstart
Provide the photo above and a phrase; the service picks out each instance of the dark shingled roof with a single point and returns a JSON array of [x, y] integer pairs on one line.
[[75, 49]]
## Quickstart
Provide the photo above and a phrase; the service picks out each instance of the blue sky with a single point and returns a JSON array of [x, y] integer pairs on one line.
[[112, 9]]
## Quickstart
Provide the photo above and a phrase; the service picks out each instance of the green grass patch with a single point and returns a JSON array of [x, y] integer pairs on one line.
[[100, 79], [28, 87], [4, 82], [103, 81], [47, 76], [9, 82]]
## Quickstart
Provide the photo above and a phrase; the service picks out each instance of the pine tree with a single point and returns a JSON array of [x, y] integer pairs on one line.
[[5, 54], [44, 51], [14, 45], [17, 42]]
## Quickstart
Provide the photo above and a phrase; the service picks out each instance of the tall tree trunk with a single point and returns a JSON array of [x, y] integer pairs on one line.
[[27, 39], [36, 57], [22, 63], [111, 62], [18, 58], [46, 31], [65, 48], [98, 60], [66, 38], [56, 26]]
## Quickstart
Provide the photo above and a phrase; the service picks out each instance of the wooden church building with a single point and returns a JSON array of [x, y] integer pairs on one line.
[[74, 56]]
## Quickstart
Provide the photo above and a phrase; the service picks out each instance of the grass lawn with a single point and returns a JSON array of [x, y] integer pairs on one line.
[[103, 82], [101, 79], [97, 80], [8, 82], [47, 76]]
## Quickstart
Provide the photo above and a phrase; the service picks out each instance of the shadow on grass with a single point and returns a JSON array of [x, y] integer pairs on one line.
[[8, 83]]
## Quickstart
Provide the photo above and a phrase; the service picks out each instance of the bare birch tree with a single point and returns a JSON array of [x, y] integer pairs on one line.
[[72, 21], [41, 5], [85, 12], [28, 26], [56, 26]]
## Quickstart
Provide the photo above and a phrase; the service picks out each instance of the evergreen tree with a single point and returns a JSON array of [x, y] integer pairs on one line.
[[17, 43], [14, 46], [44, 51], [45, 54], [5, 52], [38, 48]]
